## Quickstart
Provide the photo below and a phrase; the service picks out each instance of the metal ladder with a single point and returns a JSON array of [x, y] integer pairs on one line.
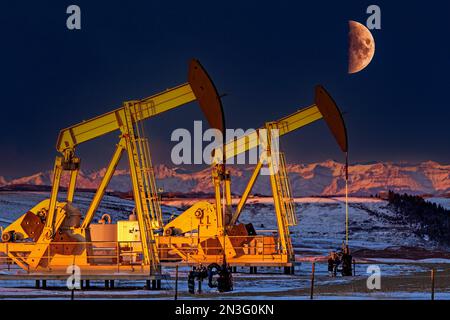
[[286, 200], [285, 191], [146, 169], [282, 189], [147, 202]]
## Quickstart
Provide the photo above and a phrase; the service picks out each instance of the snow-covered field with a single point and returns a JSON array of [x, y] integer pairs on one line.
[[321, 228], [321, 224]]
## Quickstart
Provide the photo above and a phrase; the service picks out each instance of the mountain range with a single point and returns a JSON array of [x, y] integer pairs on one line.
[[314, 179]]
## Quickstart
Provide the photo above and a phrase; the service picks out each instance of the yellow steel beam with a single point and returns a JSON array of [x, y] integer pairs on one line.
[[104, 184], [228, 208], [73, 182], [87, 130], [49, 228], [218, 194], [246, 193]]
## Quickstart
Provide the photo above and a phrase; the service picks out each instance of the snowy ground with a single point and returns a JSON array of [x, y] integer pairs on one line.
[[321, 228]]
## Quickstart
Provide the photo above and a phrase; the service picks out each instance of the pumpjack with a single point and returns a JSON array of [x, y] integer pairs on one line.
[[210, 233], [52, 235]]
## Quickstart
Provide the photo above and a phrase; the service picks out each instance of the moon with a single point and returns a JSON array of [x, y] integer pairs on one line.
[[361, 47]]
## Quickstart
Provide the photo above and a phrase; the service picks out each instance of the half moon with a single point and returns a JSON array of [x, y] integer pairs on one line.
[[361, 47]]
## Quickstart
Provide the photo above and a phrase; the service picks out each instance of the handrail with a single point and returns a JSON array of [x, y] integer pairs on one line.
[[128, 253]]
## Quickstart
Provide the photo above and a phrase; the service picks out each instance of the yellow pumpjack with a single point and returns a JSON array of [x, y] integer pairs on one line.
[[51, 235], [209, 233]]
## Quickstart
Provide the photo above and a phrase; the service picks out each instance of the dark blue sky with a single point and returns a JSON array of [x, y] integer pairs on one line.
[[267, 56]]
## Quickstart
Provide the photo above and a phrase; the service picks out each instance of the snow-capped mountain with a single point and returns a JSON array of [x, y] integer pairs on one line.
[[323, 178]]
